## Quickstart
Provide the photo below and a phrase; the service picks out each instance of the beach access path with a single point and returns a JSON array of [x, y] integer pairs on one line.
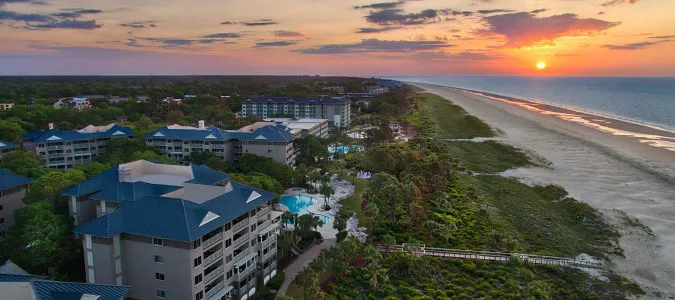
[[301, 262]]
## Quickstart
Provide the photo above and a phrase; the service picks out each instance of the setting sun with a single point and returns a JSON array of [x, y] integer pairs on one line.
[[541, 65]]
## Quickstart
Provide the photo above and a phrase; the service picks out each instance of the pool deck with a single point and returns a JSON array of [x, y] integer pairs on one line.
[[342, 191]]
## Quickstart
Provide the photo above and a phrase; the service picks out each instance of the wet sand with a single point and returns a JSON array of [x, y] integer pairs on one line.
[[608, 163]]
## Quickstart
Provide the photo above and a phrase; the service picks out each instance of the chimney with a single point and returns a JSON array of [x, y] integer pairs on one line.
[[201, 124], [51, 126], [124, 174]]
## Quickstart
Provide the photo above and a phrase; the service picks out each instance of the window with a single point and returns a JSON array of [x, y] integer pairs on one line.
[[199, 296], [2, 234], [198, 261], [198, 279], [159, 259], [228, 259], [228, 243], [160, 293], [2, 220], [1, 208], [228, 226], [196, 244], [269, 151], [253, 242], [253, 227], [159, 276], [229, 274], [158, 242]]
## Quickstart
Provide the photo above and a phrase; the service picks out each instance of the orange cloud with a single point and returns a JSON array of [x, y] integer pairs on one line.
[[526, 29]]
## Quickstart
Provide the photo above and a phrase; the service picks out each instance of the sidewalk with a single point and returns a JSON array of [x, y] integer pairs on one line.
[[299, 264]]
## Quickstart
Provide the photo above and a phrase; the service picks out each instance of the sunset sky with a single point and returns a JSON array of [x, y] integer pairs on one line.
[[338, 37]]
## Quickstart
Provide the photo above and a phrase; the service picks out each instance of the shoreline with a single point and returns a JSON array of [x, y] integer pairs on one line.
[[613, 173]]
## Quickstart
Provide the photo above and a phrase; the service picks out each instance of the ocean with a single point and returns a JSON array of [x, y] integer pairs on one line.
[[649, 101]]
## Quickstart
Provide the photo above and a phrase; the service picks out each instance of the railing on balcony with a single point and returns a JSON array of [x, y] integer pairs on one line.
[[263, 212], [240, 225], [240, 255], [265, 243], [268, 255], [264, 223], [213, 257], [214, 290], [243, 274], [213, 274], [212, 240], [241, 240]]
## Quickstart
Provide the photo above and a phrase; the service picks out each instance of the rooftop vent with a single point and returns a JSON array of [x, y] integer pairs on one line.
[[124, 174]]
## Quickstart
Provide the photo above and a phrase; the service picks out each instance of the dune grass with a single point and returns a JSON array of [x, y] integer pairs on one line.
[[543, 218], [488, 156], [451, 121]]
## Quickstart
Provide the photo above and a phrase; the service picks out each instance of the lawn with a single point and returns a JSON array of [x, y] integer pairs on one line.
[[354, 202]]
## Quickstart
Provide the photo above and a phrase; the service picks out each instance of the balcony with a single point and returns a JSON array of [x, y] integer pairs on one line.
[[241, 240], [265, 243], [240, 225], [54, 147], [218, 291], [242, 254], [213, 257], [244, 274], [263, 212], [213, 274], [211, 241], [54, 155], [269, 254]]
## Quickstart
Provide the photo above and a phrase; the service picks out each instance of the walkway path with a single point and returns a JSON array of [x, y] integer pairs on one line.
[[301, 262], [498, 256]]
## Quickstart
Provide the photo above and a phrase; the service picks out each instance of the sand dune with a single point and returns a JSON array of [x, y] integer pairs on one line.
[[611, 172]]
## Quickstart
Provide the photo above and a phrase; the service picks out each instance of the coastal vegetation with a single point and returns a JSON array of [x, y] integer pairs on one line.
[[425, 191], [439, 118]]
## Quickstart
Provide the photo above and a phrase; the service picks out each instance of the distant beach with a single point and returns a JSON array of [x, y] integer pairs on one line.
[[623, 168]]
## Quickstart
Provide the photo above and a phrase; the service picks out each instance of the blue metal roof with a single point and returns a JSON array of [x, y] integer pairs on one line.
[[174, 218], [207, 134], [7, 145], [267, 133], [320, 100], [57, 290], [9, 180], [52, 135]]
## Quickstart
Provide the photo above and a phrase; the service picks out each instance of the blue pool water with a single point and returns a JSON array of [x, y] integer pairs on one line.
[[299, 205]]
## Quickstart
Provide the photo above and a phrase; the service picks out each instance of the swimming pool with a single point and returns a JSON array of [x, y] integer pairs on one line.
[[299, 205]]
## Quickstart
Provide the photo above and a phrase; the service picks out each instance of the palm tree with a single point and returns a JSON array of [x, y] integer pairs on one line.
[[285, 243], [326, 190], [286, 217], [372, 257], [387, 241], [314, 176]]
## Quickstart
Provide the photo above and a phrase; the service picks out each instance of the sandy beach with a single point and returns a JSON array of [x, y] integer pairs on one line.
[[610, 164]]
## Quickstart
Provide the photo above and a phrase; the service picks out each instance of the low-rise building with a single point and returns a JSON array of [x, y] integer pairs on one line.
[[6, 147], [177, 142], [175, 232], [300, 127], [12, 190], [168, 100], [335, 109], [63, 149], [6, 106], [78, 103], [17, 284]]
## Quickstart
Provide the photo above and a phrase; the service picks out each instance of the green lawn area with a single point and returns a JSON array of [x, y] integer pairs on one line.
[[354, 202], [488, 156], [452, 121]]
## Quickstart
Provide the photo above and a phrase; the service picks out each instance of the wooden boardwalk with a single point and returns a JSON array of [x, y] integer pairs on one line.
[[420, 250]]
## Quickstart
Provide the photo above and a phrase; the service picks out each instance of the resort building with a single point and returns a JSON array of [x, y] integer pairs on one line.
[[335, 109], [177, 142], [175, 232], [63, 149], [12, 190], [6, 147], [17, 284], [6, 106], [300, 127], [76, 103]]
